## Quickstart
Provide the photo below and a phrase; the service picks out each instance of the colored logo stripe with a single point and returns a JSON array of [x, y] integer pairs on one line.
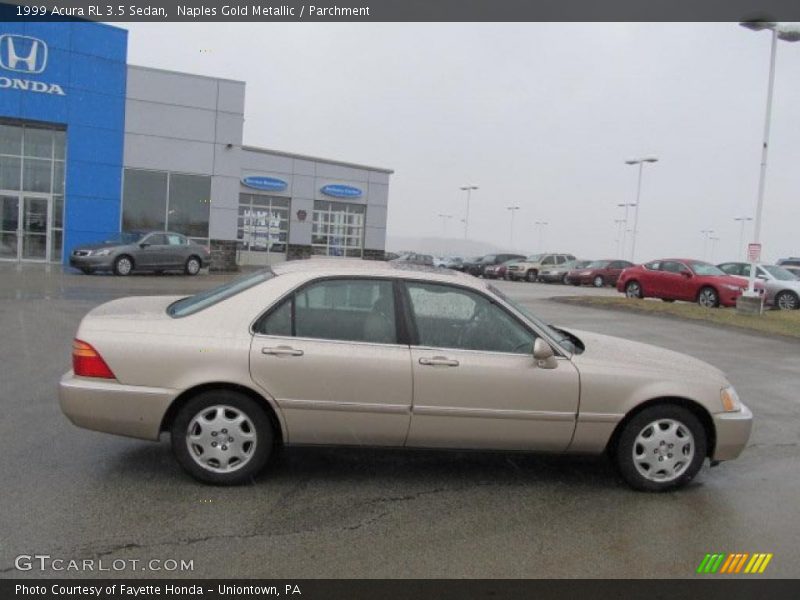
[[734, 563]]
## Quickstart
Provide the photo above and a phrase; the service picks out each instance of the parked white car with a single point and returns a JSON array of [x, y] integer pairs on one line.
[[782, 286]]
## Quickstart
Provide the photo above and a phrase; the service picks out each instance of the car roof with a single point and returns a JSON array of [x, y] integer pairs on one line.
[[335, 267]]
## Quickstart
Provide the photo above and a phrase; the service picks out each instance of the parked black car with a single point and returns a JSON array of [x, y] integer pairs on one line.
[[476, 268]]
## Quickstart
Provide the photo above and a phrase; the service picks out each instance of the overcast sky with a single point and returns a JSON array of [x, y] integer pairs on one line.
[[538, 115]]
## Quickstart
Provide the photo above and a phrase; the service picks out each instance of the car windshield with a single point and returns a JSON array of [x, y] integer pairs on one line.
[[598, 264], [779, 273], [124, 238], [534, 257], [193, 304], [703, 268], [488, 258], [556, 335]]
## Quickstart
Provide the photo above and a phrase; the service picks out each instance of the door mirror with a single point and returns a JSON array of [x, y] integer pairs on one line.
[[144, 245], [543, 354], [687, 274]]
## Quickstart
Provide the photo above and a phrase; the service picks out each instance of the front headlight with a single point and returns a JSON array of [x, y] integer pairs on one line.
[[101, 252], [735, 288], [730, 399]]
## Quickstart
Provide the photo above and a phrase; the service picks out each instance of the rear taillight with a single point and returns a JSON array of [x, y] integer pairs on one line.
[[87, 362]]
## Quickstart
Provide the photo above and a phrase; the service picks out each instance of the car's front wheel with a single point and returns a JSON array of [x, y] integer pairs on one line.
[[787, 301], [708, 297], [633, 289], [123, 265], [222, 437], [532, 275], [661, 448], [598, 281]]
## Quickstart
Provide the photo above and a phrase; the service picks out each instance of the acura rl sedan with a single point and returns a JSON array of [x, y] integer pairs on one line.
[[361, 353]]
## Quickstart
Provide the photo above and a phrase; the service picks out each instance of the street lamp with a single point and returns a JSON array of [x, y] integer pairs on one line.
[[706, 233], [512, 210], [444, 219], [541, 225], [742, 221], [468, 189], [714, 241], [626, 206], [788, 33], [640, 162]]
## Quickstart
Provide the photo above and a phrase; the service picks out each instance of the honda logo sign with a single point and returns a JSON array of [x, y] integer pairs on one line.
[[22, 54]]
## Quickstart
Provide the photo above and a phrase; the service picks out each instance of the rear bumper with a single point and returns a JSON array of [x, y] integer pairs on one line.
[[733, 432], [111, 407]]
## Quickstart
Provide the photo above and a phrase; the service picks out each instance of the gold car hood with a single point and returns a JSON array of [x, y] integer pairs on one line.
[[636, 356]]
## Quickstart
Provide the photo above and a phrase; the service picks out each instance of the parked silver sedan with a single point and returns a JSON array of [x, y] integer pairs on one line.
[[344, 352], [132, 251], [782, 286]]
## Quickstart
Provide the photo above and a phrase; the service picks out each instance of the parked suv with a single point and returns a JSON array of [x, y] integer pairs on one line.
[[530, 267]]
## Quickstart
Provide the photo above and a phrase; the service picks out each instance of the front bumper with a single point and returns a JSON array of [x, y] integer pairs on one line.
[[91, 262], [732, 431], [111, 407]]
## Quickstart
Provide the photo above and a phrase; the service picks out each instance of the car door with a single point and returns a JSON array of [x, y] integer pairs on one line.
[[476, 384], [614, 270], [151, 251], [650, 279], [177, 250], [330, 356], [677, 281]]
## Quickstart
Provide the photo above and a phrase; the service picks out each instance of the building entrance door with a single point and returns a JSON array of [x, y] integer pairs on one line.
[[25, 226]]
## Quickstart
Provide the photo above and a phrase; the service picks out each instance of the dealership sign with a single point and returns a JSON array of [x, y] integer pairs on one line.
[[269, 184], [24, 55], [341, 191]]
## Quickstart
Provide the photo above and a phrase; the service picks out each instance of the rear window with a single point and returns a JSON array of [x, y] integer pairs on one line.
[[188, 306]]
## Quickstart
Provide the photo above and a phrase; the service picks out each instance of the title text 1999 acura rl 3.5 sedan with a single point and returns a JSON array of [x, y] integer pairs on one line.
[[340, 352]]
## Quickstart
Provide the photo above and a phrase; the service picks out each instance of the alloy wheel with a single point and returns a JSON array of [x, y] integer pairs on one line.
[[633, 290], [787, 301], [707, 298], [221, 438]]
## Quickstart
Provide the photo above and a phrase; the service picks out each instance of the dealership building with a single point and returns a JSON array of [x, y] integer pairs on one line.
[[91, 146]]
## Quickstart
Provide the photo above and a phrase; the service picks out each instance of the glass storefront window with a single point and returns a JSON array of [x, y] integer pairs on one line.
[[10, 172], [144, 200], [10, 139], [38, 143], [337, 229], [189, 204], [37, 175], [263, 224]]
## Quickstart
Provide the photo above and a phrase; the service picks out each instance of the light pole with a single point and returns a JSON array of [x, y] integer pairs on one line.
[[620, 233], [742, 221], [790, 34], [468, 189], [714, 240], [626, 206], [444, 219], [541, 225], [706, 234], [634, 234], [512, 210]]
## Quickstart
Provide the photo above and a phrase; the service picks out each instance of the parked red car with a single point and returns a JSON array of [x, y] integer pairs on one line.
[[599, 273], [498, 271], [683, 279]]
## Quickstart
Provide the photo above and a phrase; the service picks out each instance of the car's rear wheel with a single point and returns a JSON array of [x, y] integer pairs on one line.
[[123, 265], [222, 437], [192, 266], [661, 448], [532, 275], [564, 279], [708, 297], [787, 301], [633, 289], [598, 281]]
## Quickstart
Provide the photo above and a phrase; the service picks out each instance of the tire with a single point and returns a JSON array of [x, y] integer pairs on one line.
[[633, 289], [123, 265], [87, 270], [565, 279], [708, 297], [598, 281], [192, 266], [787, 300], [532, 275], [212, 412], [645, 455]]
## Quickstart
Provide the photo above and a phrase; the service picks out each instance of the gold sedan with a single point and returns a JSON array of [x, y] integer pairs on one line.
[[340, 352]]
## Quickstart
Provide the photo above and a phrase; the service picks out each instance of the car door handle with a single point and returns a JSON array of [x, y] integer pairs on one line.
[[281, 351], [438, 361]]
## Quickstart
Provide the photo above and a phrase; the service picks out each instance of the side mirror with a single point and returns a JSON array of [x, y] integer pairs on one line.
[[543, 354], [687, 274], [144, 245]]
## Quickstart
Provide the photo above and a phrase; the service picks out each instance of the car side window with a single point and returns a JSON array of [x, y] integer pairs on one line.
[[354, 310], [671, 266], [560, 260], [548, 260], [175, 240], [451, 317], [732, 269], [156, 239], [653, 266]]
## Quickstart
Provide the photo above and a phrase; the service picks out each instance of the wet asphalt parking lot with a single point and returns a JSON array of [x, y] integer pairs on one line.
[[76, 494]]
